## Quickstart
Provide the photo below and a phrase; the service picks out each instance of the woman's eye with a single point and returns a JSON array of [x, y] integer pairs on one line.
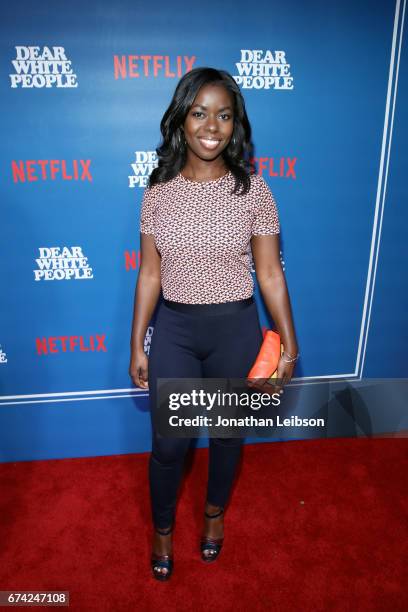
[[225, 116]]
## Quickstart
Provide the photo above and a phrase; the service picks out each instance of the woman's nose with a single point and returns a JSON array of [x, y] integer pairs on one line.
[[211, 123]]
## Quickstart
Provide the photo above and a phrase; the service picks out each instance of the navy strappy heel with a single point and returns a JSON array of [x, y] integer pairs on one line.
[[162, 561], [211, 547]]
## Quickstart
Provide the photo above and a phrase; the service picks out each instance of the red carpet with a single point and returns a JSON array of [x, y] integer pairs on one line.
[[312, 525]]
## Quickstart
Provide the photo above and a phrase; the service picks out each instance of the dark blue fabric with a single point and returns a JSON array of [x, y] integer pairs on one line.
[[195, 345]]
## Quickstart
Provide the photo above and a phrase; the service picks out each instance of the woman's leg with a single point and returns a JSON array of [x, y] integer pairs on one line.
[[171, 356], [236, 343]]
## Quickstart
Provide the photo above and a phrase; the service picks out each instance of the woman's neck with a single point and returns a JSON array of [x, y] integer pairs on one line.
[[204, 172]]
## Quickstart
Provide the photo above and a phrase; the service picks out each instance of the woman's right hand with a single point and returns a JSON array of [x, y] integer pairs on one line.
[[138, 369]]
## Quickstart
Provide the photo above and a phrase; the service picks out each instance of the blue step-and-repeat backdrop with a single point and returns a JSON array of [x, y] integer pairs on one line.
[[83, 89]]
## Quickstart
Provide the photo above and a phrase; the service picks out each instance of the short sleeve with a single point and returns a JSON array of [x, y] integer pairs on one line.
[[266, 219], [147, 212]]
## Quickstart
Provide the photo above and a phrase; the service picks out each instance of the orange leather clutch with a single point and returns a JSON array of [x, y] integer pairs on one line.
[[266, 362]]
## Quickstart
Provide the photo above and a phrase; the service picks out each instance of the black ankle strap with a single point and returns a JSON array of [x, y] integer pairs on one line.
[[214, 515], [163, 531]]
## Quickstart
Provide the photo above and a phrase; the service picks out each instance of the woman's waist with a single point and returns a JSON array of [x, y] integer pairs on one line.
[[215, 308]]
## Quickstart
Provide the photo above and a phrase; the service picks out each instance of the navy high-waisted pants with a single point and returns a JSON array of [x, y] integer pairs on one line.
[[196, 341]]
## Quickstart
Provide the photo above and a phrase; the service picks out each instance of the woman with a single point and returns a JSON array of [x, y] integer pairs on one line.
[[202, 212]]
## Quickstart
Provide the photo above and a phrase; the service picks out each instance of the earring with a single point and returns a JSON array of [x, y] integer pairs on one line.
[[180, 140]]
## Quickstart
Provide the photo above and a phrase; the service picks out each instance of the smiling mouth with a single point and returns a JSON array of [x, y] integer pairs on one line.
[[209, 143]]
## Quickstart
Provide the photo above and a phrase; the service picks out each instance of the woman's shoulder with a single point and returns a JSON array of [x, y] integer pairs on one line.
[[259, 186], [152, 194], [160, 187], [258, 181]]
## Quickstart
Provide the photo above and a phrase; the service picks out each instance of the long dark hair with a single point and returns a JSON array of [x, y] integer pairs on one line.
[[172, 150]]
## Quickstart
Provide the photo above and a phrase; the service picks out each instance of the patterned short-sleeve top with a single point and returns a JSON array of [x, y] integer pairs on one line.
[[202, 233]]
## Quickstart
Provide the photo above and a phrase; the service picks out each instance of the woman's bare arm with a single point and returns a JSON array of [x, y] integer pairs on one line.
[[272, 283], [147, 293]]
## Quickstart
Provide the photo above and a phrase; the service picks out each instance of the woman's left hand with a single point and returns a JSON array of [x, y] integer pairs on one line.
[[284, 375]]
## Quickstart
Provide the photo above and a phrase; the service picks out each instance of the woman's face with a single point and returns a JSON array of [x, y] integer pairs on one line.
[[209, 123]]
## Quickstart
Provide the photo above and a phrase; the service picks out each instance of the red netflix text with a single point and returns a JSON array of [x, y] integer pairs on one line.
[[136, 66], [62, 344], [45, 169], [132, 260], [271, 166]]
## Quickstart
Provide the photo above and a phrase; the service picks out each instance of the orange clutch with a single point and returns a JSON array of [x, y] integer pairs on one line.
[[266, 363]]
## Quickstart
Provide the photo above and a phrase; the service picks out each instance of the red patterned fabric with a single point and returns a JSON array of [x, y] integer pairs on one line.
[[203, 233]]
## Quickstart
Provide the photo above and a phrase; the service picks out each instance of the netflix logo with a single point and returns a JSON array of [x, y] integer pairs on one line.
[[50, 169], [132, 260], [145, 66], [64, 344], [272, 166]]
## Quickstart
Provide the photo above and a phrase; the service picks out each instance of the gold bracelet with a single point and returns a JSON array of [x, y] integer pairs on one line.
[[292, 359]]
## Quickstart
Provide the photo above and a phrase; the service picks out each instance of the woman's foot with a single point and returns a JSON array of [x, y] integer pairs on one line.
[[162, 553], [213, 534]]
